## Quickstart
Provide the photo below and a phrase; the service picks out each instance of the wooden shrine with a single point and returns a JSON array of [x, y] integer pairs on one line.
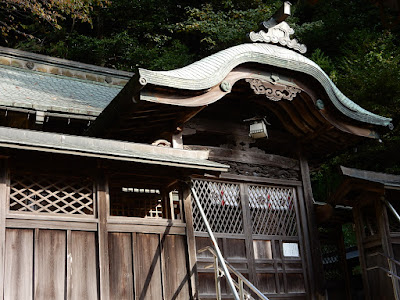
[[97, 167], [374, 199]]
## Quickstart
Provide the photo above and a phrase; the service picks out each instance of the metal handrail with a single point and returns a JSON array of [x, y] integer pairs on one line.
[[391, 273], [385, 256], [241, 279], [218, 253]]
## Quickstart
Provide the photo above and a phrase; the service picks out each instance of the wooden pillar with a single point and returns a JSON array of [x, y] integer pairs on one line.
[[103, 205], [360, 246], [317, 276], [4, 194], [309, 279], [343, 261], [247, 230], [191, 240]]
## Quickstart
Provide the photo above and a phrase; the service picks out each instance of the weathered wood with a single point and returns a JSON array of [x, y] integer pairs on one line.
[[247, 230], [251, 157], [103, 204], [48, 224], [145, 221], [4, 196], [303, 243], [145, 229], [121, 267], [310, 284], [312, 227], [148, 267], [361, 250], [50, 265], [18, 282], [190, 240], [176, 277], [69, 266], [84, 280], [262, 180]]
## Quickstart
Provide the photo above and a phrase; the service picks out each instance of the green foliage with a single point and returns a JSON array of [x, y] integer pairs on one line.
[[18, 17], [325, 62], [217, 29], [349, 235], [369, 71]]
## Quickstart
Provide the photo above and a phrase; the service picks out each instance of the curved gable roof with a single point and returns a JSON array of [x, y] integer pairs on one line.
[[211, 70]]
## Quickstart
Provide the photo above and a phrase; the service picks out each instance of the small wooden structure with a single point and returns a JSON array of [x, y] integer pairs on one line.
[[89, 211], [374, 199]]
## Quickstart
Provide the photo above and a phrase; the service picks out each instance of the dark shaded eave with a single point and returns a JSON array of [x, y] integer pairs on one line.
[[155, 102], [370, 176], [357, 182], [106, 149]]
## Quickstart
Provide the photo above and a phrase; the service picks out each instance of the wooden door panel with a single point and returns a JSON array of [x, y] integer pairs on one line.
[[18, 264], [121, 276], [175, 270], [148, 267], [50, 260], [83, 276]]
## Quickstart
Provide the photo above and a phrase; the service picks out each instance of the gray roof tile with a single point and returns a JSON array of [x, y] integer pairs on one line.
[[47, 92]]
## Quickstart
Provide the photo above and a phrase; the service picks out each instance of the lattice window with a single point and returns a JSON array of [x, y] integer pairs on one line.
[[272, 210], [136, 202], [50, 194], [221, 204]]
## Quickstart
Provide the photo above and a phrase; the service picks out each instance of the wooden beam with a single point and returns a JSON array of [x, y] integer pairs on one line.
[[249, 157]]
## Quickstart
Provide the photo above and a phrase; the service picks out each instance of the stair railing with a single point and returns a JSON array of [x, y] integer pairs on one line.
[[221, 265], [391, 272], [221, 259], [239, 284]]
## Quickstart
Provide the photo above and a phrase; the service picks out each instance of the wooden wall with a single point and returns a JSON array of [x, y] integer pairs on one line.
[[83, 255]]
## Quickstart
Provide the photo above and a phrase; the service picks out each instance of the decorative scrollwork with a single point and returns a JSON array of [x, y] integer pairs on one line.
[[273, 91], [277, 33]]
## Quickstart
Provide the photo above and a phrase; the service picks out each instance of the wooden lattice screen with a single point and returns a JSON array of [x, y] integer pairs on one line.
[[272, 210], [221, 204], [50, 194]]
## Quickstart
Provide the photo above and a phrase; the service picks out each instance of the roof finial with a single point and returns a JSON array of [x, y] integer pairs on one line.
[[278, 31]]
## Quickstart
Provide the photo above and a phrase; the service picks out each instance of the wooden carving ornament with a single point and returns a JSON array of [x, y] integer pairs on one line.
[[273, 91]]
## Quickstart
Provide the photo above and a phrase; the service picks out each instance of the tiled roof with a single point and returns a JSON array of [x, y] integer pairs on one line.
[[211, 70], [34, 90]]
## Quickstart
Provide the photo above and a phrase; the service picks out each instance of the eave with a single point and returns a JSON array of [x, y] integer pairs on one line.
[[106, 149], [155, 103]]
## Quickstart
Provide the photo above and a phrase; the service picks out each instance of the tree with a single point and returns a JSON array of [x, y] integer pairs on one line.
[[17, 16]]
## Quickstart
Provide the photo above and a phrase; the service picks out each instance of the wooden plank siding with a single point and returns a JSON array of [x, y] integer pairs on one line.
[[121, 266], [99, 256], [18, 283], [61, 256]]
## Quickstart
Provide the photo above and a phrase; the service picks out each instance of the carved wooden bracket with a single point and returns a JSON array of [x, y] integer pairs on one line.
[[273, 91]]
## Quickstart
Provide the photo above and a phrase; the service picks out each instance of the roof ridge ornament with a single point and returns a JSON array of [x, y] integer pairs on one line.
[[278, 31]]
